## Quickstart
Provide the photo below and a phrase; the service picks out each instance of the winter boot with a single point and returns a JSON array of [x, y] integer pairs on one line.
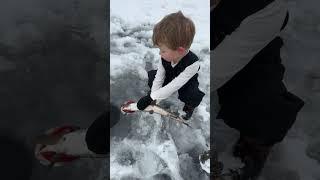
[[240, 149], [189, 111], [255, 160]]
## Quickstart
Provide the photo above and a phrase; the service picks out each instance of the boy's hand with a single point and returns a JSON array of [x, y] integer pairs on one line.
[[144, 102]]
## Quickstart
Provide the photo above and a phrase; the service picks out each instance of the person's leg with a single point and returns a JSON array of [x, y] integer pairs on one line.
[[192, 97], [188, 109], [16, 158], [240, 148], [254, 157], [96, 136], [151, 76]]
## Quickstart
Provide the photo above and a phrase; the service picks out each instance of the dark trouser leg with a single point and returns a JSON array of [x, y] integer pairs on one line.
[[254, 154], [192, 97], [239, 149], [97, 137], [151, 76]]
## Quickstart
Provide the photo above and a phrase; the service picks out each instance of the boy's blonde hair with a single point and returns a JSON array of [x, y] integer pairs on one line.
[[174, 30]]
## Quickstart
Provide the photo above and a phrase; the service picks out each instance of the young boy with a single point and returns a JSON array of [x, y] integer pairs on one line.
[[248, 76], [178, 68]]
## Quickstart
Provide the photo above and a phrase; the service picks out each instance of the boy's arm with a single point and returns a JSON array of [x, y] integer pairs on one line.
[[237, 49], [145, 101], [159, 78], [176, 83]]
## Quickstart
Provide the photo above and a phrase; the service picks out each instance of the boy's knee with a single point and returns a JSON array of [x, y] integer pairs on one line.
[[192, 97], [96, 136], [97, 142]]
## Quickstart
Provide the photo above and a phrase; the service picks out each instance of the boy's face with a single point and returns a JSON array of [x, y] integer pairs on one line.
[[169, 54]]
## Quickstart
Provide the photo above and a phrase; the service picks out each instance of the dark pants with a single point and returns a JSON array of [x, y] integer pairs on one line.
[[189, 93], [97, 136], [256, 102]]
